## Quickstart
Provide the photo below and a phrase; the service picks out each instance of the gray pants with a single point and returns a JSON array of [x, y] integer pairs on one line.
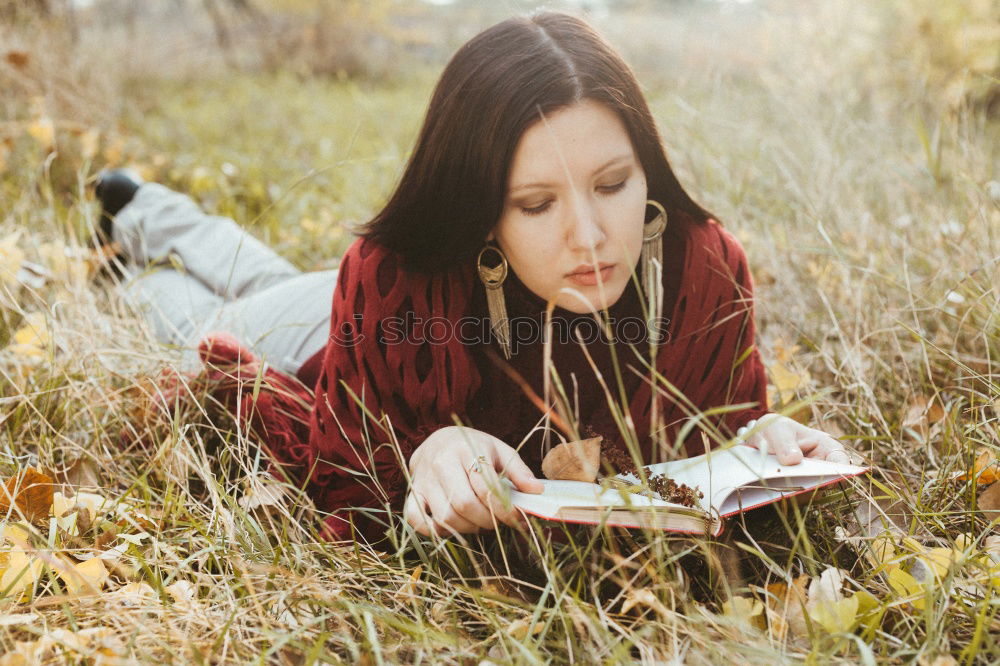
[[191, 273]]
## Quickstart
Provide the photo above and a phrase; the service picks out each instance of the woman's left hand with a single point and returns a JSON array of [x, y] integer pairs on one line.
[[790, 441]]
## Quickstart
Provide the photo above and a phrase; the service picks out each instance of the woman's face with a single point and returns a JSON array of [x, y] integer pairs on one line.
[[573, 215]]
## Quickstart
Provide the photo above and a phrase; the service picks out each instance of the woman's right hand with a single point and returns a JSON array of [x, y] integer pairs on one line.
[[447, 494]]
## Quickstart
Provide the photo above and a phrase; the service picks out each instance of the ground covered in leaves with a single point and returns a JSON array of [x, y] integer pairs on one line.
[[852, 149]]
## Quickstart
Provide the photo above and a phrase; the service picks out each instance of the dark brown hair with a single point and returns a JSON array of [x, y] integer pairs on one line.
[[494, 88]]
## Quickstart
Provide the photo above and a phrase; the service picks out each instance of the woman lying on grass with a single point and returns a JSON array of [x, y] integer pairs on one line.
[[538, 178]]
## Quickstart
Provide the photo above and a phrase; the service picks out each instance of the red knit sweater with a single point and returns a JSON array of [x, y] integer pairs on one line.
[[391, 374]]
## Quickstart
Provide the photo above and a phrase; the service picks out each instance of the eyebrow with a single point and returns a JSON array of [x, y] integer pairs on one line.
[[611, 162]]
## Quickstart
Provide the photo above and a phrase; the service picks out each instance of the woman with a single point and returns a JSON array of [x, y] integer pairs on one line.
[[538, 178]]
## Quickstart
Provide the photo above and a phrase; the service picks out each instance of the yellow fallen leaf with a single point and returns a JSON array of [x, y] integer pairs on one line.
[[263, 493], [922, 411], [985, 468], [114, 151], [66, 264], [185, 595], [835, 617], [27, 653], [19, 619], [90, 143], [787, 382], [203, 181], [748, 610], [92, 642], [870, 613], [827, 606], [95, 503], [84, 577], [934, 563], [43, 130], [62, 510], [964, 541], [940, 660], [867, 602], [991, 546], [786, 608], [30, 492], [136, 594], [643, 597], [310, 226], [783, 353], [827, 586], [522, 628], [181, 590], [441, 612], [17, 534], [908, 588], [410, 586], [21, 576], [32, 340], [11, 258]]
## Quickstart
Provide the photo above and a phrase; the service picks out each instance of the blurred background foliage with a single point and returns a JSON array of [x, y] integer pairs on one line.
[[956, 45], [281, 113], [953, 44], [188, 91]]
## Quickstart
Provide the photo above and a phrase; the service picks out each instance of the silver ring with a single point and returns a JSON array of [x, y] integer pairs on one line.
[[478, 463]]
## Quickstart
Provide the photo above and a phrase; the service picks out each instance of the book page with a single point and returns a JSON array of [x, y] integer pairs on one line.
[[560, 494], [719, 473], [750, 496], [589, 503], [732, 480]]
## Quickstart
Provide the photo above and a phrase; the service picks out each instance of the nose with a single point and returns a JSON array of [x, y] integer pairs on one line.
[[586, 230]]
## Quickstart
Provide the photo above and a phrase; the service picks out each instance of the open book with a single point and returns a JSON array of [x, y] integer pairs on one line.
[[732, 480]]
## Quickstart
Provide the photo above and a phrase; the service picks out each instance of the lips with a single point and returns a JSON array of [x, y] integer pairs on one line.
[[585, 275], [589, 268]]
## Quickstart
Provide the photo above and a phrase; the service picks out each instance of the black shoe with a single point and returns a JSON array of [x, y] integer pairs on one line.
[[114, 189]]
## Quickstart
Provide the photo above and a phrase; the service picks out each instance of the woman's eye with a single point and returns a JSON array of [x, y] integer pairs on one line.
[[536, 210], [544, 206], [611, 189]]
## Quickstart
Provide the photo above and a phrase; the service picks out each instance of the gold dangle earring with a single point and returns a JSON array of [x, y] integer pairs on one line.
[[493, 279], [652, 269]]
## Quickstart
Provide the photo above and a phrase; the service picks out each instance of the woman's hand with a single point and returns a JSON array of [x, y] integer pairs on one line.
[[456, 484], [790, 441]]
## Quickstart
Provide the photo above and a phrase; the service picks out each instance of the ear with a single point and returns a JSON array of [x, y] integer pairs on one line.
[[491, 236]]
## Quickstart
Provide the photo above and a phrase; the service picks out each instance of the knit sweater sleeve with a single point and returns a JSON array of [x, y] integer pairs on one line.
[[390, 376]]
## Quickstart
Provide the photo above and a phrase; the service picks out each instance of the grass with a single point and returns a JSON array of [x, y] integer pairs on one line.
[[869, 207]]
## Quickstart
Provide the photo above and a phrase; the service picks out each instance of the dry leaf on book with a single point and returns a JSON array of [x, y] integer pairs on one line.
[[574, 461]]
